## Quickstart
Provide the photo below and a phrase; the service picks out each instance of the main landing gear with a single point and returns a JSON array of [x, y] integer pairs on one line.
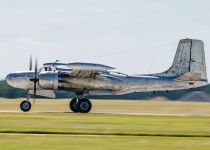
[[82, 105]]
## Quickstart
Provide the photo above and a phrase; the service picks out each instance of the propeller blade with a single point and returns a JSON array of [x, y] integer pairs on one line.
[[30, 63], [36, 79], [36, 65], [34, 97], [35, 89]]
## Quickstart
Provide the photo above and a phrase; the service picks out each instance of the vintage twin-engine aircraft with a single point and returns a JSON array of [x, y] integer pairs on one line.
[[187, 71]]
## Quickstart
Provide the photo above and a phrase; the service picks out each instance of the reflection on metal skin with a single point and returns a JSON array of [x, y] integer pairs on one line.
[[48, 80], [187, 71]]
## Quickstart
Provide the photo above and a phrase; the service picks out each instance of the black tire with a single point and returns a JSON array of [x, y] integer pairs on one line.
[[84, 105], [25, 106], [73, 105]]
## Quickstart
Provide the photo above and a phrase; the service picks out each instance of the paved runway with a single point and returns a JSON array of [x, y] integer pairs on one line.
[[112, 113], [71, 135]]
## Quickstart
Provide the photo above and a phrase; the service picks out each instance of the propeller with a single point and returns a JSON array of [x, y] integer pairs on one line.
[[30, 63], [35, 79]]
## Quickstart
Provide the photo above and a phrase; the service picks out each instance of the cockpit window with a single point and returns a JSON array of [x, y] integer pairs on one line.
[[47, 68]]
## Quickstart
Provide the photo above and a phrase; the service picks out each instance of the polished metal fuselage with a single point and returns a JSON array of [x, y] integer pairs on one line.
[[188, 70], [107, 84]]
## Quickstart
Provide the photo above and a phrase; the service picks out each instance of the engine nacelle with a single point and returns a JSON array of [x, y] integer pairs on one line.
[[48, 80]]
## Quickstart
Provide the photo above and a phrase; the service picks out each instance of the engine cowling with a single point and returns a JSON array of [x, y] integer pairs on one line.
[[48, 80]]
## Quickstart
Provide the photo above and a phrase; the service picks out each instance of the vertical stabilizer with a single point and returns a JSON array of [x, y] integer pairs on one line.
[[189, 58]]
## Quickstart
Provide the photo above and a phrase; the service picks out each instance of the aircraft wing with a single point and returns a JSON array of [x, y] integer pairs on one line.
[[88, 66], [79, 69], [84, 73], [87, 70]]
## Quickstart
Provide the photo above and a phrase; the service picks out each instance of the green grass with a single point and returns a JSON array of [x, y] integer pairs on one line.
[[104, 124], [21, 131], [25, 142]]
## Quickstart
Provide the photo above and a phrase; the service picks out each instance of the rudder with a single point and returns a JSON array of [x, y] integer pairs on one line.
[[190, 57]]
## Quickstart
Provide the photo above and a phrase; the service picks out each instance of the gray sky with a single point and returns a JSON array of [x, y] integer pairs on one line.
[[135, 36]]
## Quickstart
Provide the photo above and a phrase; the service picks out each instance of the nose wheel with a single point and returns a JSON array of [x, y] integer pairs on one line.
[[82, 105], [25, 106]]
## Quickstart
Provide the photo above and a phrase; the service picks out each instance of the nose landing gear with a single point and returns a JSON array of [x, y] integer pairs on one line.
[[82, 105], [25, 106]]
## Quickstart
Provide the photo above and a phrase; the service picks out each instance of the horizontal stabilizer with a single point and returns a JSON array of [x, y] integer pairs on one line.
[[190, 76]]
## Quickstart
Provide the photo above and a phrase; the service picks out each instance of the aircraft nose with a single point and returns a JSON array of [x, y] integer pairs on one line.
[[18, 80], [12, 80], [9, 79]]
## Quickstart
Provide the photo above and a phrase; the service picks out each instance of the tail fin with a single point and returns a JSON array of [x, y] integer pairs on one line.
[[189, 58]]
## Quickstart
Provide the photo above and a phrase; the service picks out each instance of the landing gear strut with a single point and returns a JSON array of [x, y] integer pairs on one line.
[[82, 105]]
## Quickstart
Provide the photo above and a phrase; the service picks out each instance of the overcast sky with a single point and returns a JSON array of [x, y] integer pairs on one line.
[[134, 36]]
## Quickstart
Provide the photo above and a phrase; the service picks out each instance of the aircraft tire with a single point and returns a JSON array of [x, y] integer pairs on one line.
[[74, 105], [25, 106], [84, 105]]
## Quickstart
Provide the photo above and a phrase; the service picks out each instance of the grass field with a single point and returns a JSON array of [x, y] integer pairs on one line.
[[113, 106], [47, 127], [19, 142]]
